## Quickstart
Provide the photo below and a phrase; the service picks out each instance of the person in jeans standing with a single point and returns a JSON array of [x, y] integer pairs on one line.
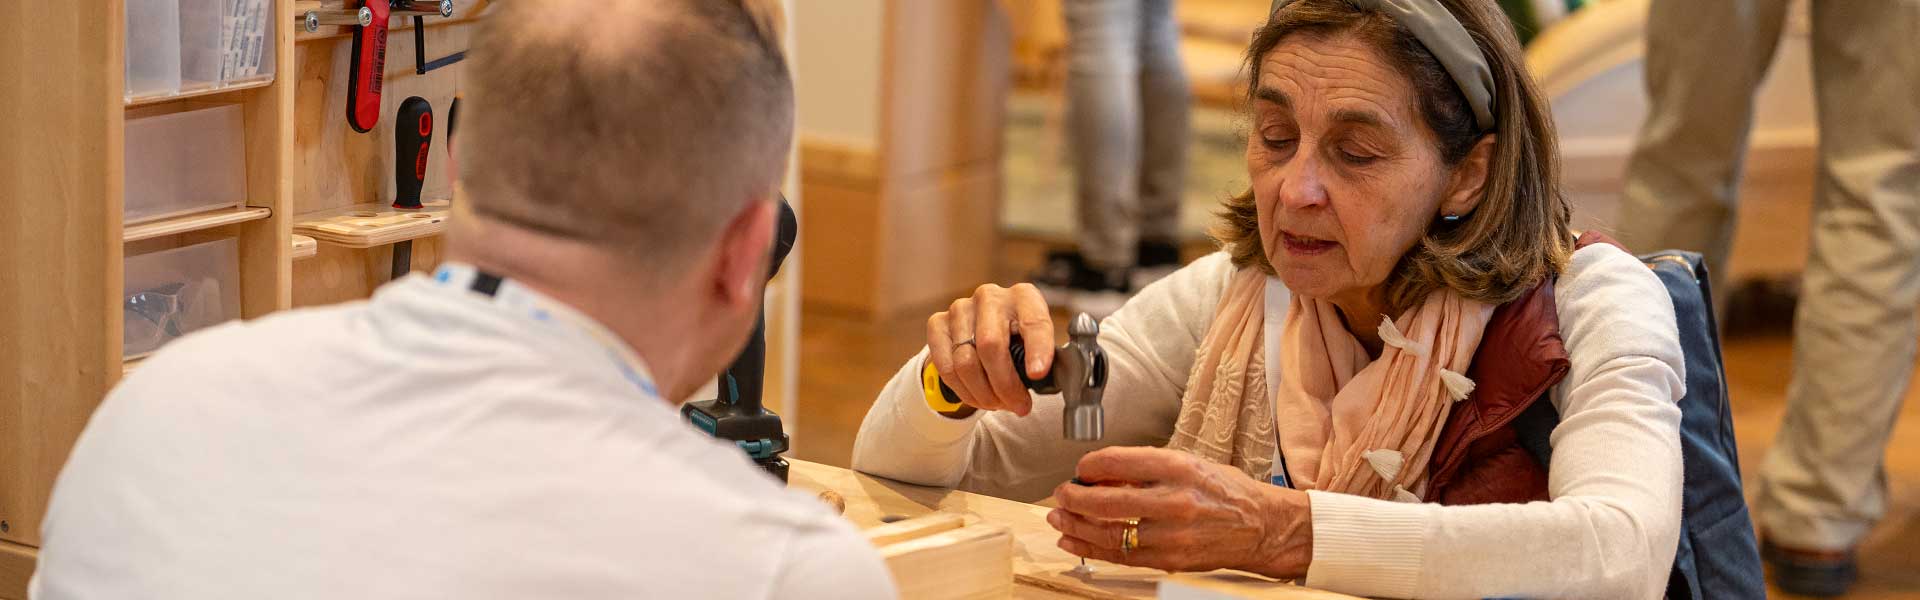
[[1128, 118], [1823, 484]]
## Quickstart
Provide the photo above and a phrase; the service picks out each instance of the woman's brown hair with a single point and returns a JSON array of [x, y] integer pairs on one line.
[[1518, 234]]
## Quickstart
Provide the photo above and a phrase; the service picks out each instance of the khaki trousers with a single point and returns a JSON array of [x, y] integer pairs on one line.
[[1823, 484]]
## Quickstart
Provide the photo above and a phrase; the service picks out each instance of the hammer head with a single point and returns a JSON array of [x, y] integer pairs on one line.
[[1081, 372]]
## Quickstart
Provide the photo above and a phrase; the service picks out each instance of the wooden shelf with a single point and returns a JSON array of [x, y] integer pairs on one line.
[[227, 89], [304, 247], [374, 224], [194, 222]]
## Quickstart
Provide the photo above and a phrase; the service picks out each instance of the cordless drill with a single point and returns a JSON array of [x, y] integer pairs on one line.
[[738, 414], [1079, 375]]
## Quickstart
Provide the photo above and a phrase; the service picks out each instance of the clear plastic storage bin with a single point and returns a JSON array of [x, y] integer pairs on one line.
[[153, 48], [184, 162], [177, 46], [172, 293]]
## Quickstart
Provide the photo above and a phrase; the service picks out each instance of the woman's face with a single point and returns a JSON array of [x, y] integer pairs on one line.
[[1346, 177]]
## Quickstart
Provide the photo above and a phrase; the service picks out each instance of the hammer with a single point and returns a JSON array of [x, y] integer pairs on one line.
[[1079, 375]]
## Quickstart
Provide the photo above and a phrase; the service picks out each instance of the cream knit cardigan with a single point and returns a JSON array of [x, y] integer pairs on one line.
[[1610, 531]]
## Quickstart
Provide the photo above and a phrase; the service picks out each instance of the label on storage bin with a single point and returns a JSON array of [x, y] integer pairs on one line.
[[243, 35]]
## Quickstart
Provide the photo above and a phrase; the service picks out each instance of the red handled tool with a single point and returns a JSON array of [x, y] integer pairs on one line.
[[412, 137], [368, 68]]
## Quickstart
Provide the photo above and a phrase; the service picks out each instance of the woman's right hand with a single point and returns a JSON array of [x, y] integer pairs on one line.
[[968, 345]]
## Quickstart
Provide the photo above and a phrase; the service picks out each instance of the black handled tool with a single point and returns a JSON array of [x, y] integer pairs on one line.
[[738, 414], [412, 138]]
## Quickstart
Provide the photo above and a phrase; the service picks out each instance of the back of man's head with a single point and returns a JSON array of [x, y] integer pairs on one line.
[[637, 126]]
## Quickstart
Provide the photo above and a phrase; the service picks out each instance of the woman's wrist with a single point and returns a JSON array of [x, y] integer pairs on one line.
[[1287, 543]]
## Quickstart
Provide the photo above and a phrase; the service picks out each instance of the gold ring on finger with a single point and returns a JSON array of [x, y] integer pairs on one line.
[[1129, 536], [965, 342]]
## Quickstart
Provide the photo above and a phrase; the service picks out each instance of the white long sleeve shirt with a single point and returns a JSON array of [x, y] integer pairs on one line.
[[1610, 531], [433, 442]]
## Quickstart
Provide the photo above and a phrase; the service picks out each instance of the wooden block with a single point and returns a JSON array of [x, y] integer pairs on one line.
[[305, 247], [1227, 586], [914, 528], [16, 569], [970, 562], [374, 224]]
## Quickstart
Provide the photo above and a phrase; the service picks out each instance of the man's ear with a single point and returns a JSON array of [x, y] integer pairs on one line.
[[745, 246], [1469, 181]]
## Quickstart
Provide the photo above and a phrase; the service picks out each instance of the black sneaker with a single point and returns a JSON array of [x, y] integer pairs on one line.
[[1067, 281], [1155, 261]]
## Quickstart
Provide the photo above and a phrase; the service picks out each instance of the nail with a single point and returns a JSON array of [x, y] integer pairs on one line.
[[1053, 518]]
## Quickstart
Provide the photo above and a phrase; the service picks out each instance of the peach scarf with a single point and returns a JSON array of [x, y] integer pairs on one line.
[[1345, 423]]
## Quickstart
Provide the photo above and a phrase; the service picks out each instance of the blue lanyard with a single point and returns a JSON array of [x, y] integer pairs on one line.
[[548, 313], [1280, 477]]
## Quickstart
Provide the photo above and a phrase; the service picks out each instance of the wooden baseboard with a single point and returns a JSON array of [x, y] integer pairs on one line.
[[16, 568]]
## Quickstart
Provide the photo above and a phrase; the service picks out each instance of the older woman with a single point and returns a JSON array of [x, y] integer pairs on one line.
[[1330, 396]]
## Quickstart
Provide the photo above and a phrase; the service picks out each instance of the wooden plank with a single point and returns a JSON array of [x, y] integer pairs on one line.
[[16, 569], [966, 563], [1041, 569], [194, 222], [60, 204], [374, 224], [304, 247], [917, 527], [197, 94], [1214, 586], [266, 264]]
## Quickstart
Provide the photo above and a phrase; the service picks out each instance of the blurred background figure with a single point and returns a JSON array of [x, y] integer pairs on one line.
[[1823, 485], [1127, 120]]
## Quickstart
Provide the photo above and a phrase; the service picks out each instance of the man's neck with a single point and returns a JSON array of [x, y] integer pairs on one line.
[[647, 318]]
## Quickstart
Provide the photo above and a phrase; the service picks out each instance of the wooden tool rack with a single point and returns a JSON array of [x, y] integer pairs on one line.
[[63, 114]]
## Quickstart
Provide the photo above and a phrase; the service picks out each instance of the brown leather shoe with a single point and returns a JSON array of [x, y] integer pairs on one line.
[[1819, 573]]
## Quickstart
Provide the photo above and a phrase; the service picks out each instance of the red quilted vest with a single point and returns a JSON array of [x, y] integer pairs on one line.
[[1477, 458]]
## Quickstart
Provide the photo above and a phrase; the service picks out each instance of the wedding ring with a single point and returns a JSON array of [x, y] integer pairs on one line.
[[965, 342], [1129, 536]]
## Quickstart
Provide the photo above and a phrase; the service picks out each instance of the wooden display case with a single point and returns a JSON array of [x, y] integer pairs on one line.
[[64, 243]]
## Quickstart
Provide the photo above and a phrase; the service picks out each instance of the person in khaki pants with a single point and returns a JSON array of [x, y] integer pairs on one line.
[[1823, 485]]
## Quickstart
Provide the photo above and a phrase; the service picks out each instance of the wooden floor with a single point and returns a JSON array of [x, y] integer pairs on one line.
[[846, 360]]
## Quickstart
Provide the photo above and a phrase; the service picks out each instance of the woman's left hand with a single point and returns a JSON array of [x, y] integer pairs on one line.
[[1193, 515]]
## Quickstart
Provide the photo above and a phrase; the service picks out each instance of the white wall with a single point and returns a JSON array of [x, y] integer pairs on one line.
[[837, 69]]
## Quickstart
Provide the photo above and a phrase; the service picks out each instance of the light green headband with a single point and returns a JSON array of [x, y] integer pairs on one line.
[[1447, 39]]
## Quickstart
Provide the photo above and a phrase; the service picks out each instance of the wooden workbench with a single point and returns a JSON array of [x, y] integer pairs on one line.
[[1041, 569]]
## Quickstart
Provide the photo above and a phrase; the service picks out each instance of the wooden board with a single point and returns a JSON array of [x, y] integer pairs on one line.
[[959, 564], [304, 247], [1041, 569], [16, 569], [194, 222], [1211, 586], [918, 527], [60, 202], [374, 224]]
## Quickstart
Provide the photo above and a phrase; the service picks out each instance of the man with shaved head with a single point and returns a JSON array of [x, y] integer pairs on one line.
[[506, 427]]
